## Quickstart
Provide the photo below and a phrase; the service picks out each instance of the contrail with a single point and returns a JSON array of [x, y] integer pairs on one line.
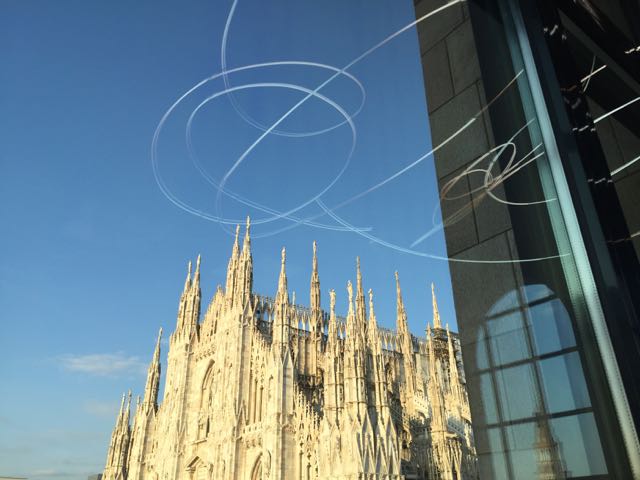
[[228, 174], [246, 117], [401, 249], [490, 182]]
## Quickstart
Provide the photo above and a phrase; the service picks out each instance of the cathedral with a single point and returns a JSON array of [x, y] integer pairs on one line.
[[263, 388]]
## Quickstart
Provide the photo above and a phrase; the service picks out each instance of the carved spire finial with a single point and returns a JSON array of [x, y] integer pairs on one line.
[[187, 282], [361, 309], [332, 332], [283, 294], [127, 411], [350, 291], [436, 314], [196, 277], [153, 376], [316, 318], [372, 315], [232, 269], [332, 300], [246, 247], [401, 314], [156, 352], [120, 414], [315, 256]]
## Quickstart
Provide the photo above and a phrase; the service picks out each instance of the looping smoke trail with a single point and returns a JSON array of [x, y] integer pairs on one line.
[[247, 118], [217, 218], [490, 182], [228, 174], [212, 181]]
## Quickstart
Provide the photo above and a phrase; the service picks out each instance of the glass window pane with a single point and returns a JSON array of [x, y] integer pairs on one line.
[[579, 443], [490, 414], [518, 393], [508, 340], [564, 385], [551, 327], [524, 456], [493, 463]]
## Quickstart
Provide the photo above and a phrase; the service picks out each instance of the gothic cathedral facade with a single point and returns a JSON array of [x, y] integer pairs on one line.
[[263, 388]]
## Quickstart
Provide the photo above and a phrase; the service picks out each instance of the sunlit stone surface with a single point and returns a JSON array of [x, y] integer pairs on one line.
[[266, 389]]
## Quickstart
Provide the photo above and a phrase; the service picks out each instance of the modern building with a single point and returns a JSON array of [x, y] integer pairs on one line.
[[265, 388], [534, 112]]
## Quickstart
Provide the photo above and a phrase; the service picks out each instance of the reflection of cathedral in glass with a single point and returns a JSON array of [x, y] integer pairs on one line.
[[264, 388]]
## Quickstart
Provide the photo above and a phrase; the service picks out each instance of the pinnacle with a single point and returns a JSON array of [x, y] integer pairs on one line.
[[332, 296], [236, 248], [156, 352], [372, 315], [196, 277], [398, 290], [359, 278], [314, 293], [371, 301], [315, 260], [187, 282], [436, 313], [401, 316], [283, 295], [247, 238]]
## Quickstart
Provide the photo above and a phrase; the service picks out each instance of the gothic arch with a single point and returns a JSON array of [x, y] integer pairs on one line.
[[256, 471], [207, 390], [208, 372]]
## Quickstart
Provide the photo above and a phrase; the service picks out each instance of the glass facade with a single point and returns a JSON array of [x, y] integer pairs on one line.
[[547, 397]]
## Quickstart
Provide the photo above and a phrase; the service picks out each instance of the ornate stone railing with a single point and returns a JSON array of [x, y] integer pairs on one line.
[[265, 306]]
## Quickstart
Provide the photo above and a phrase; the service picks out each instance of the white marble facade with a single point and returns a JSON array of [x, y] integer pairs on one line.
[[262, 388]]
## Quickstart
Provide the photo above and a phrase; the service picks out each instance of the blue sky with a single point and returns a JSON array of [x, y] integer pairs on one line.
[[94, 256]]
